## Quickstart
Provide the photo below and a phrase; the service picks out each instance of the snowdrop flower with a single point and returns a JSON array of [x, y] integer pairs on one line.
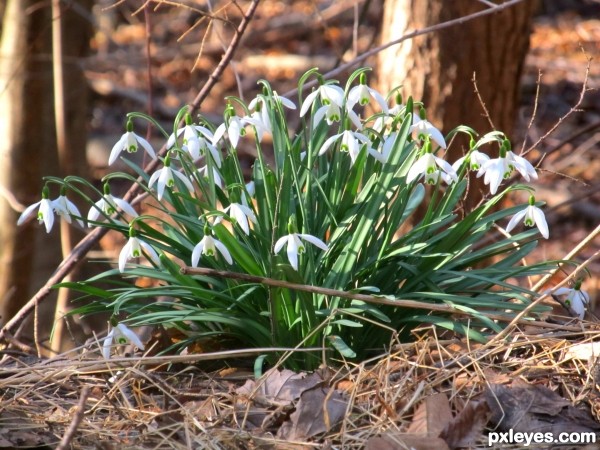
[[427, 165], [332, 99], [129, 142], [387, 117], [65, 208], [475, 158], [362, 95], [500, 168], [45, 213], [233, 126], [523, 166], [261, 113], [108, 204], [209, 246], [352, 141], [240, 214], [295, 246], [576, 299], [433, 177], [533, 216], [250, 189], [494, 171], [121, 334], [386, 148], [133, 249], [261, 122], [284, 101], [329, 94], [166, 177], [423, 127], [203, 173], [197, 140]]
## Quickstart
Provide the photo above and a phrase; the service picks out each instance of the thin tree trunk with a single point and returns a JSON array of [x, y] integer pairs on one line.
[[27, 136], [28, 149]]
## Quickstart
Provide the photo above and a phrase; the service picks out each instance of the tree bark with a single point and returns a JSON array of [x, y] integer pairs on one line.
[[28, 146], [438, 68]]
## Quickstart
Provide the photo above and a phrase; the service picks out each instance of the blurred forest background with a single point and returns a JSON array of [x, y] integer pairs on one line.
[[66, 85]]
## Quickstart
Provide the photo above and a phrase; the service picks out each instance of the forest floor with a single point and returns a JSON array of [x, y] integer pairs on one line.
[[438, 392]]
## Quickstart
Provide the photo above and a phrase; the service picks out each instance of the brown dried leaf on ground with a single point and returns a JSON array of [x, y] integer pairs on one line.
[[431, 416], [268, 401], [280, 386], [466, 428], [318, 410], [526, 408]]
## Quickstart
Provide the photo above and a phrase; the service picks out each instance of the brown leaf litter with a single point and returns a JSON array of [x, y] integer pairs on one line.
[[430, 394]]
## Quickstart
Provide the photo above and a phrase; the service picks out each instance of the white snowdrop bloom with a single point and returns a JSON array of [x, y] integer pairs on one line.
[[121, 334], [295, 246]]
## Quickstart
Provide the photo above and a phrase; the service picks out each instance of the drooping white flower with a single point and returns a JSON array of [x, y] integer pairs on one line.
[[203, 173], [332, 100], [577, 299], [133, 249], [197, 140], [284, 101], [129, 142], [386, 148], [385, 119], [240, 214], [362, 95], [261, 122], [352, 141], [109, 204], [425, 128], [295, 246], [495, 170], [500, 168], [433, 177], [328, 93], [65, 208], [166, 177], [428, 165], [250, 189], [121, 334], [209, 246], [523, 166], [261, 113], [532, 215], [234, 127], [45, 213], [475, 158]]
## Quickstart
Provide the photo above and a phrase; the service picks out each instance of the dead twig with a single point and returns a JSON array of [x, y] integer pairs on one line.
[[65, 442]]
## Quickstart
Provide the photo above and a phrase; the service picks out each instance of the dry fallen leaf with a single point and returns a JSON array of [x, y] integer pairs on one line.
[[523, 407], [280, 386], [431, 416], [318, 410], [466, 428]]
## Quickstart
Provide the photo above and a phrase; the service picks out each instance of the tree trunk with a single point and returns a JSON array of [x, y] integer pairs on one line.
[[438, 68], [27, 138], [28, 146]]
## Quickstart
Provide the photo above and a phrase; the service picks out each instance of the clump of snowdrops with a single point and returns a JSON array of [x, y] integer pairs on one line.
[[323, 207]]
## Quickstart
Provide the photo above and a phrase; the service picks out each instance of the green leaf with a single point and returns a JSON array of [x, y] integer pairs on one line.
[[342, 348]]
